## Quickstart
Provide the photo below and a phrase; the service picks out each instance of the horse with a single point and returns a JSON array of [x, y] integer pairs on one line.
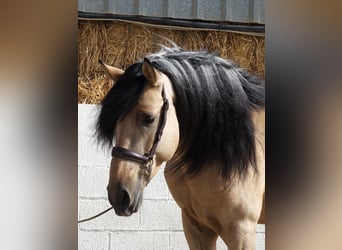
[[203, 116]]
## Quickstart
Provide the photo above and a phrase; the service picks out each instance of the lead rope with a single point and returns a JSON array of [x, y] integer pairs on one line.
[[95, 216]]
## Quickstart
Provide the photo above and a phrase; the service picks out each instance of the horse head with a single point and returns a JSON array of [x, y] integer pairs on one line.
[[140, 110]]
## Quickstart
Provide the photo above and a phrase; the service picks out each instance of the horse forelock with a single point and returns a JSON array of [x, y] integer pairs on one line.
[[121, 98], [214, 100]]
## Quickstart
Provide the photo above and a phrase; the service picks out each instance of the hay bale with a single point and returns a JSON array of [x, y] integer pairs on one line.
[[120, 44]]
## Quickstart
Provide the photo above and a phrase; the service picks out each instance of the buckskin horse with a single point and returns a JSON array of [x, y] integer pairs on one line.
[[204, 117]]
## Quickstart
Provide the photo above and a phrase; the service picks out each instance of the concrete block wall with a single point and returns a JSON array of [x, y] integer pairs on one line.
[[158, 223]]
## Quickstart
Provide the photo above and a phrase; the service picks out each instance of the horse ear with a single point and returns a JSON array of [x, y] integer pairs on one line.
[[111, 72], [150, 73]]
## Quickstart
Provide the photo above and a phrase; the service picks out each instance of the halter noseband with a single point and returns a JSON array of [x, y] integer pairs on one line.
[[147, 158]]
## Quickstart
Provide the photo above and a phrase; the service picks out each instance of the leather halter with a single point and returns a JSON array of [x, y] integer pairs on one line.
[[147, 158]]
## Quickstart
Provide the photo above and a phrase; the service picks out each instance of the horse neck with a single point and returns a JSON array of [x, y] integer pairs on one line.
[[258, 117], [169, 91]]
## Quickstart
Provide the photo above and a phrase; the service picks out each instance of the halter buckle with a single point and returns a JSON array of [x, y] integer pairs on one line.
[[148, 170], [148, 167]]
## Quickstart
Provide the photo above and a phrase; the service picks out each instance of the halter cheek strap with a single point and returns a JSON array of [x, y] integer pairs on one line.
[[147, 159]]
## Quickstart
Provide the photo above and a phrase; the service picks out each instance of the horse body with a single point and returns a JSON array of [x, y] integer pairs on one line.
[[213, 143], [210, 209]]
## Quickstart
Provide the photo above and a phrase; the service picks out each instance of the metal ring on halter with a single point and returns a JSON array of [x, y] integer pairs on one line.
[[148, 166], [148, 170]]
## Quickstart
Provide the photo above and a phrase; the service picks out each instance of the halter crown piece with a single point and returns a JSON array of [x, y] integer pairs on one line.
[[147, 159]]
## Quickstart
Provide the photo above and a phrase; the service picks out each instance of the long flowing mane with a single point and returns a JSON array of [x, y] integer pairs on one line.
[[214, 101]]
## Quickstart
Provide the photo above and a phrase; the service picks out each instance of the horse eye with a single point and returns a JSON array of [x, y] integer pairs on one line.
[[149, 119]]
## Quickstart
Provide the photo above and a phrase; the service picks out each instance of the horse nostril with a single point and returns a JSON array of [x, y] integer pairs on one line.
[[124, 199], [119, 198]]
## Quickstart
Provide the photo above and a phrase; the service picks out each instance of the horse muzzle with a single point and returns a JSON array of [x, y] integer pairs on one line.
[[124, 201]]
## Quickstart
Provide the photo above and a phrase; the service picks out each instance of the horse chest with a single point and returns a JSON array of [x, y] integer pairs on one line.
[[200, 196]]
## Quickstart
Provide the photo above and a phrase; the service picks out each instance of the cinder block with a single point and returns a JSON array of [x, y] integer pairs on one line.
[[109, 221], [91, 154], [139, 241], [157, 188], [160, 215], [260, 228], [92, 182], [178, 242], [93, 240], [87, 115], [86, 150], [260, 241]]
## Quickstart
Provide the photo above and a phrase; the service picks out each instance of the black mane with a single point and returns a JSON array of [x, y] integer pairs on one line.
[[214, 100]]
